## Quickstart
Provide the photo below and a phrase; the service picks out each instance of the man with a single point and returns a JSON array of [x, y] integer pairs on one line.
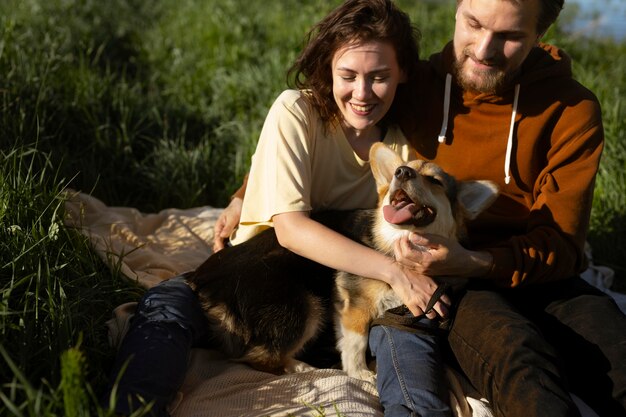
[[496, 104], [528, 329]]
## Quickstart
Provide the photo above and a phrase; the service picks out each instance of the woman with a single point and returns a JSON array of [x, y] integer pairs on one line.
[[312, 155]]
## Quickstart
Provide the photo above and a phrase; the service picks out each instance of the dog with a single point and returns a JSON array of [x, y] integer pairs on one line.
[[265, 304], [415, 196]]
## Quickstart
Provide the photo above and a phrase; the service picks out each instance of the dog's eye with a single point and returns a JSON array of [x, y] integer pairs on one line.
[[433, 180]]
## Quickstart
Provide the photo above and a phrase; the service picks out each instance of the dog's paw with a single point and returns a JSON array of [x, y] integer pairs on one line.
[[294, 366], [365, 375]]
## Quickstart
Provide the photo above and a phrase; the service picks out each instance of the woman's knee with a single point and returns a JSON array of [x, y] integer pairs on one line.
[[172, 301]]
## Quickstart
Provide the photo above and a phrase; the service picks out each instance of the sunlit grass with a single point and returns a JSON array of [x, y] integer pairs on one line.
[[157, 104]]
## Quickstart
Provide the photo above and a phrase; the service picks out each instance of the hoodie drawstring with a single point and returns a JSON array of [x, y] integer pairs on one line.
[[509, 144], [446, 109]]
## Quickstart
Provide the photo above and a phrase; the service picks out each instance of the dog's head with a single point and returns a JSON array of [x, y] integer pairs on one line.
[[419, 196]]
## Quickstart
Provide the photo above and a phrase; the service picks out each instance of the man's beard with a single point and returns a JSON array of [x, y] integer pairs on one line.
[[489, 81]]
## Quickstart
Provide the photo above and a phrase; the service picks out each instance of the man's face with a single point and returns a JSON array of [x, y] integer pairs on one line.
[[491, 40]]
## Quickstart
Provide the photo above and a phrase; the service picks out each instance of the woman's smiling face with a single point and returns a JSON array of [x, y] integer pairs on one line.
[[365, 78]]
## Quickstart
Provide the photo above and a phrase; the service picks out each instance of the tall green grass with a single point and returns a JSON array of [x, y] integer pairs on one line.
[[156, 104], [54, 291]]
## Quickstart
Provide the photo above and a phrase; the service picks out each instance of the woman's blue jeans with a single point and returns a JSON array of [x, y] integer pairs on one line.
[[154, 354], [169, 321], [410, 371]]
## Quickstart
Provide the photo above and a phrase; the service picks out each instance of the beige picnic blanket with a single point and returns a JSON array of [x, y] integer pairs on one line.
[[149, 248]]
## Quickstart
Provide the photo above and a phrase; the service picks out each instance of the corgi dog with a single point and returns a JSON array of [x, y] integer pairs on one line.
[[414, 196], [266, 305]]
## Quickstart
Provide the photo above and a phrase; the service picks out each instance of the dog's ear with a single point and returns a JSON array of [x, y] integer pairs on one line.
[[384, 163], [476, 196]]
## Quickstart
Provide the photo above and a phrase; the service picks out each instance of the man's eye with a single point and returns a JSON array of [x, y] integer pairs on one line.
[[473, 24], [513, 36]]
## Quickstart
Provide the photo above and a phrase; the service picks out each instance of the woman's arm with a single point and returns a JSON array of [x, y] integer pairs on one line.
[[310, 239]]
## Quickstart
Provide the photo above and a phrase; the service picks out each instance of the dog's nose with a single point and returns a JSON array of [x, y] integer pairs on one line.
[[404, 173]]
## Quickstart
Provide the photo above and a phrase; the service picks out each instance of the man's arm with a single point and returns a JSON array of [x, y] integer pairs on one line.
[[552, 246], [549, 242]]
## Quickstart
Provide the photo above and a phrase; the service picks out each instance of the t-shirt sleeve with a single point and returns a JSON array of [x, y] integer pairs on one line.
[[280, 173]]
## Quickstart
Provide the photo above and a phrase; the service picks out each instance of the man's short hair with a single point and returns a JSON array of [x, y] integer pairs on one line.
[[550, 10]]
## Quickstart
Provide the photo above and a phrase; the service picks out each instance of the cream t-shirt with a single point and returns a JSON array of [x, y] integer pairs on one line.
[[297, 166]]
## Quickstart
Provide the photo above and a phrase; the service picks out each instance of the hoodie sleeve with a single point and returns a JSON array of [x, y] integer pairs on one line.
[[552, 246]]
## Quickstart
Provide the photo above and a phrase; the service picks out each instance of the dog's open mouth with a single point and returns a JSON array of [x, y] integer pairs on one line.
[[403, 210]]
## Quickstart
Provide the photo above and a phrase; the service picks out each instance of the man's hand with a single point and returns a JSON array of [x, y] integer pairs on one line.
[[437, 256], [226, 223]]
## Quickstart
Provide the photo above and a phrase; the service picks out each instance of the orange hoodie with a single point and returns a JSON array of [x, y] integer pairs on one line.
[[552, 128]]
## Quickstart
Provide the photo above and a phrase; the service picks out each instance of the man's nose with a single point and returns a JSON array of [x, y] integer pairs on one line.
[[486, 47]]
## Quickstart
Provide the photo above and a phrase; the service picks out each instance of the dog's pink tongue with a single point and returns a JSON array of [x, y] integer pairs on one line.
[[399, 215]]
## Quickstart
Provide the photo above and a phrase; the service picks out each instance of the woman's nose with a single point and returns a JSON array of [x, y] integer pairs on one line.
[[362, 89]]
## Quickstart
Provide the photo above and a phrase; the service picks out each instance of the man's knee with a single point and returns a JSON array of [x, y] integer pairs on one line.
[[503, 352]]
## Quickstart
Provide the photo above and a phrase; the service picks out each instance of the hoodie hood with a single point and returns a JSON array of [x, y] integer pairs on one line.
[[543, 62]]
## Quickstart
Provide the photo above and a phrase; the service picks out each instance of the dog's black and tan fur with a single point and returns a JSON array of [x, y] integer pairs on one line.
[[437, 204], [265, 303]]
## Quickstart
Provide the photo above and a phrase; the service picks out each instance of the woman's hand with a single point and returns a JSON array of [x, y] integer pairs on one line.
[[416, 290], [226, 223]]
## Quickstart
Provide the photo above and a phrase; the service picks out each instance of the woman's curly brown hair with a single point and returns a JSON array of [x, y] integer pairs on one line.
[[354, 22]]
